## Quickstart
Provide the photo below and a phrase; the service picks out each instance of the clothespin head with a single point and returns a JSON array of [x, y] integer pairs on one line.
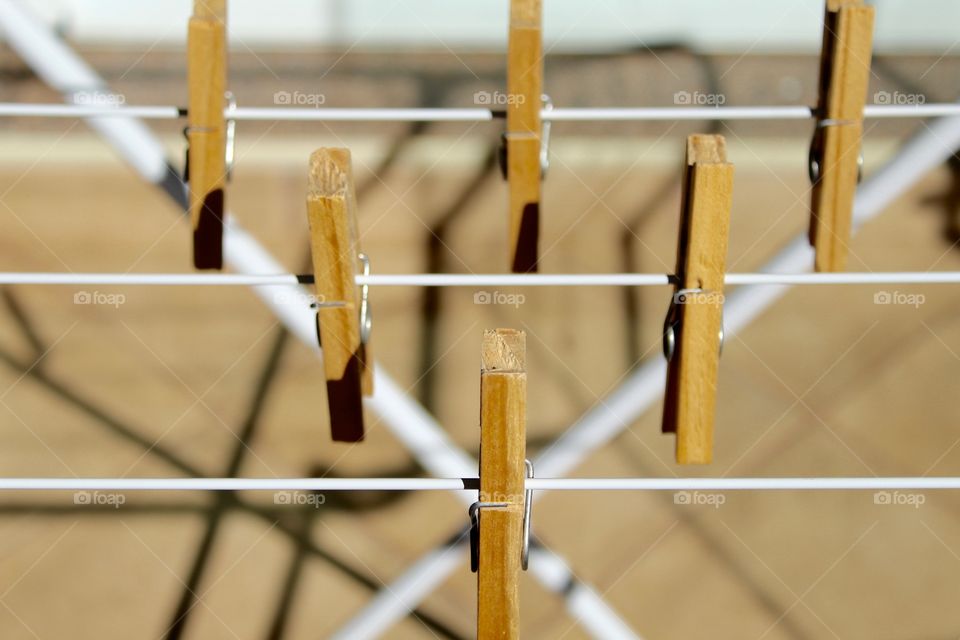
[[500, 531], [206, 129], [522, 139], [693, 328], [835, 153], [344, 330]]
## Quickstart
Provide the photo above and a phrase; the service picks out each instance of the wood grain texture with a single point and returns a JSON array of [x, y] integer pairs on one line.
[[503, 400], [524, 91], [690, 398], [844, 79], [206, 133], [331, 213]]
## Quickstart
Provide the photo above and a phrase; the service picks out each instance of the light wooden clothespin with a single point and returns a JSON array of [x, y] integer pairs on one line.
[[343, 327], [835, 159], [524, 163], [501, 519], [693, 331], [207, 129]]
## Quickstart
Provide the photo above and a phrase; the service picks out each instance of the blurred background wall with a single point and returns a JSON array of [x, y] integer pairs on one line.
[[728, 26]]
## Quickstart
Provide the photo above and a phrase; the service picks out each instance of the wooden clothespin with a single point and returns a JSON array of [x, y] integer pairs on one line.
[[524, 166], [344, 326], [207, 130], [694, 326], [500, 531], [835, 160]]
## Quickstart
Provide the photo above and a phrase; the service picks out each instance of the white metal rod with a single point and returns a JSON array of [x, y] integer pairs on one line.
[[152, 112], [558, 114], [470, 484], [473, 280], [361, 115]]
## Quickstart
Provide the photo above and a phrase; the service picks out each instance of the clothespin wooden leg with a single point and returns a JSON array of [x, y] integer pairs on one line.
[[206, 129], [692, 334], [835, 152], [523, 136], [331, 213], [503, 406]]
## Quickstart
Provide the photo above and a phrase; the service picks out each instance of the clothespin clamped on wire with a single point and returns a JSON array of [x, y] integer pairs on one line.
[[500, 520], [210, 136], [343, 329], [524, 152], [835, 157], [693, 330]]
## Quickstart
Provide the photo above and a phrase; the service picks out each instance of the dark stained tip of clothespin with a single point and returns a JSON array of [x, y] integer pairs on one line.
[[208, 235], [525, 259], [345, 401]]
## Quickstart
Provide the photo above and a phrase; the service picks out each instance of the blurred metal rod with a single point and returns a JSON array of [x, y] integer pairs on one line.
[[102, 104], [471, 280], [918, 483]]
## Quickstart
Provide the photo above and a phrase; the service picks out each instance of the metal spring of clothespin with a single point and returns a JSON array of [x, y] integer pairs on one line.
[[366, 319], [545, 137], [816, 149], [230, 140], [231, 134], [671, 324], [544, 143], [474, 514]]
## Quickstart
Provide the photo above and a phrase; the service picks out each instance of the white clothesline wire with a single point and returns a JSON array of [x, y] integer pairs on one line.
[[473, 280], [558, 114], [454, 484]]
